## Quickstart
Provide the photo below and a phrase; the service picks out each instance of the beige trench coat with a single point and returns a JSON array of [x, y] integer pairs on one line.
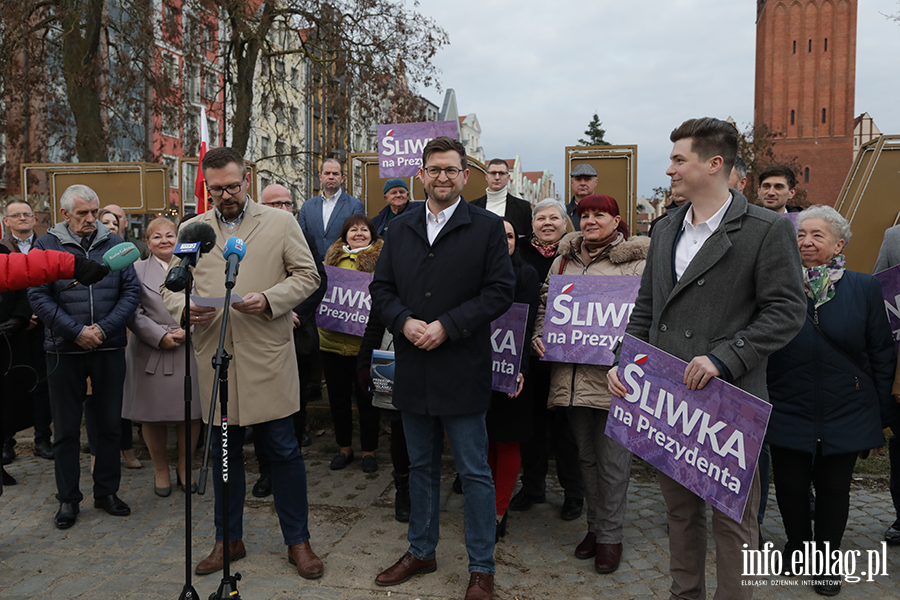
[[262, 378]]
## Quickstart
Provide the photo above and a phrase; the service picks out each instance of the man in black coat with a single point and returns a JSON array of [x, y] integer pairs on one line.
[[443, 276], [584, 181], [499, 201]]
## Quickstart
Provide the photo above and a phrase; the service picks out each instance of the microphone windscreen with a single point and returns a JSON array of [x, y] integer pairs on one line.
[[198, 232], [234, 247], [121, 256]]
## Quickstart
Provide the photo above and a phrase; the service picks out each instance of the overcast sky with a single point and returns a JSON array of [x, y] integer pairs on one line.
[[534, 71]]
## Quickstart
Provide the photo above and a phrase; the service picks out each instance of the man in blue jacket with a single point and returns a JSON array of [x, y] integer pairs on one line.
[[85, 338], [443, 275], [323, 216]]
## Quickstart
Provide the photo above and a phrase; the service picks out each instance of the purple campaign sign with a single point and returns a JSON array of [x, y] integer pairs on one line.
[[794, 217], [586, 317], [507, 344], [890, 289], [707, 440], [347, 302], [400, 146]]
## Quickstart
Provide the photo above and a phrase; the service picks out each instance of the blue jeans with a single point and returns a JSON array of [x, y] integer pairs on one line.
[[288, 479], [469, 440]]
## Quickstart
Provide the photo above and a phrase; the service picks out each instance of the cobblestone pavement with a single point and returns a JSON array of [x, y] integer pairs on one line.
[[353, 530]]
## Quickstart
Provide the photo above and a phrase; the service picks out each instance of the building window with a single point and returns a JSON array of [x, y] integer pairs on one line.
[[295, 117], [795, 46], [212, 126], [210, 85], [810, 46], [264, 149], [806, 175], [170, 65], [265, 181], [264, 67], [295, 76], [279, 150], [295, 157], [264, 106], [193, 85], [792, 117], [823, 115], [826, 44], [172, 169]]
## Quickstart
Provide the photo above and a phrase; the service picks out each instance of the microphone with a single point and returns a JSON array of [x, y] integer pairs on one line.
[[121, 256], [234, 252], [194, 240]]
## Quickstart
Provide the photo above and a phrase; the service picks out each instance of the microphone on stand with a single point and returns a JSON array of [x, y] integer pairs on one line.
[[234, 252], [194, 240]]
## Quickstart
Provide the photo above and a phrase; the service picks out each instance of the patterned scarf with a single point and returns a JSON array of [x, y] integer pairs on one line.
[[547, 250], [819, 281]]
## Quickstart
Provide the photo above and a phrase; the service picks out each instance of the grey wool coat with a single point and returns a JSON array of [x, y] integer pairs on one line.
[[740, 299]]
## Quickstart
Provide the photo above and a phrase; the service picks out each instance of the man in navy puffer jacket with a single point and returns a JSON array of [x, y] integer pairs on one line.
[[85, 338]]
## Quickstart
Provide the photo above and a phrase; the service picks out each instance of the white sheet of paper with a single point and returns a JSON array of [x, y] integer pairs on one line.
[[214, 302]]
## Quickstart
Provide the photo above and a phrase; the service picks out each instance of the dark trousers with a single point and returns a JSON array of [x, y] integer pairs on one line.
[[551, 431], [37, 358], [831, 476], [342, 382], [288, 479], [126, 441], [894, 456], [399, 452], [68, 375]]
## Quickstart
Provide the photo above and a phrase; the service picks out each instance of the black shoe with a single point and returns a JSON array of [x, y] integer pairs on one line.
[[43, 449], [263, 487], [181, 485], [369, 464], [457, 485], [8, 479], [523, 501], [9, 453], [113, 505], [828, 587], [892, 535], [571, 509], [305, 441], [341, 461], [66, 515]]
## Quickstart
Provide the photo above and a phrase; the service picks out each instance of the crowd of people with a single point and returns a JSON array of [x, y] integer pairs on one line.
[[738, 291]]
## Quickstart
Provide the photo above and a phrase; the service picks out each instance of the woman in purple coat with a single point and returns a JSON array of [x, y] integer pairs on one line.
[[154, 377]]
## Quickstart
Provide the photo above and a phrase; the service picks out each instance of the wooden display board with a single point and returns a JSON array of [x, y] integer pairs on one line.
[[616, 175], [869, 200]]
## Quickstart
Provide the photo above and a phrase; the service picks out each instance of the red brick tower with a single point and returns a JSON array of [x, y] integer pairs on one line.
[[805, 87]]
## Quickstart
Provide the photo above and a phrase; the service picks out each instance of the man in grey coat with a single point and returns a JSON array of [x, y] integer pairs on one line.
[[722, 289]]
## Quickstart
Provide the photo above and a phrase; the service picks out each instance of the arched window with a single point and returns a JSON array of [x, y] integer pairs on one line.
[[826, 44], [823, 115], [792, 117], [810, 46], [795, 46], [806, 175]]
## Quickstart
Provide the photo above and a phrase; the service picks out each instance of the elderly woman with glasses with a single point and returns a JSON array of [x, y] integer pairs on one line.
[[830, 389]]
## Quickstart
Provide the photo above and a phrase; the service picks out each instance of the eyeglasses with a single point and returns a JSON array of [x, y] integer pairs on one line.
[[435, 172], [497, 173], [20, 215], [278, 204], [216, 192]]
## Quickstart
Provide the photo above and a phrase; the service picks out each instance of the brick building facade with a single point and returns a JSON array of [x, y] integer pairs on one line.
[[805, 87]]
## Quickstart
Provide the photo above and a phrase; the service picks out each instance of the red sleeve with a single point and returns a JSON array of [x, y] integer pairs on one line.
[[19, 271]]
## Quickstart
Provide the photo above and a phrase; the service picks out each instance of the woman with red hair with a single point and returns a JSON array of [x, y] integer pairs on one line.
[[601, 247]]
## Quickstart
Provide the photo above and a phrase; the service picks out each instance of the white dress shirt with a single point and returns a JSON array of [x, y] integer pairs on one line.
[[328, 205], [693, 237], [434, 224]]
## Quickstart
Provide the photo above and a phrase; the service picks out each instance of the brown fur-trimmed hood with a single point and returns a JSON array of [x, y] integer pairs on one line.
[[365, 260], [622, 251]]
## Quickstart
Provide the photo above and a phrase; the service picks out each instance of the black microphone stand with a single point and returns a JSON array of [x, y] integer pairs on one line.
[[188, 592], [228, 587]]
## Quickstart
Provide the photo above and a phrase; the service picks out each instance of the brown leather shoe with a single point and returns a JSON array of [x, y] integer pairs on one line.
[[308, 564], [588, 546], [403, 569], [481, 586], [216, 559], [608, 557]]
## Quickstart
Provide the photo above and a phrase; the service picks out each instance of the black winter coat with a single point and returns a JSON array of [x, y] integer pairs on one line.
[[817, 393], [465, 280]]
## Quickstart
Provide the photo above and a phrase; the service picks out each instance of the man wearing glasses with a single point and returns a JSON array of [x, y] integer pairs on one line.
[[324, 215], [499, 201], [276, 274], [443, 275], [18, 216]]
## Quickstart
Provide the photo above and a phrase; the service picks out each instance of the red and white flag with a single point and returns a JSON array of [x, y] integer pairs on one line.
[[200, 185]]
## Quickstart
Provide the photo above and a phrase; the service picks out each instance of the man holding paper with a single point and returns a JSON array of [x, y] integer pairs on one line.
[[721, 289]]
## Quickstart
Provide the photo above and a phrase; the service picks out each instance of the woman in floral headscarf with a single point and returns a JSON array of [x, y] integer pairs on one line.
[[830, 389]]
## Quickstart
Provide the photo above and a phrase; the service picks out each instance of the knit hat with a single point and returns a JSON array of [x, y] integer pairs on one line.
[[395, 182]]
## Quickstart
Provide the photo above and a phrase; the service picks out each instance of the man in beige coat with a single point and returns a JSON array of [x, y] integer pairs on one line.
[[276, 274]]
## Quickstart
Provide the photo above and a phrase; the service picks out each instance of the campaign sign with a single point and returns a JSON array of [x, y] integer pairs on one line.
[[347, 302], [586, 317], [400, 146], [890, 289], [707, 440], [507, 344], [794, 217]]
